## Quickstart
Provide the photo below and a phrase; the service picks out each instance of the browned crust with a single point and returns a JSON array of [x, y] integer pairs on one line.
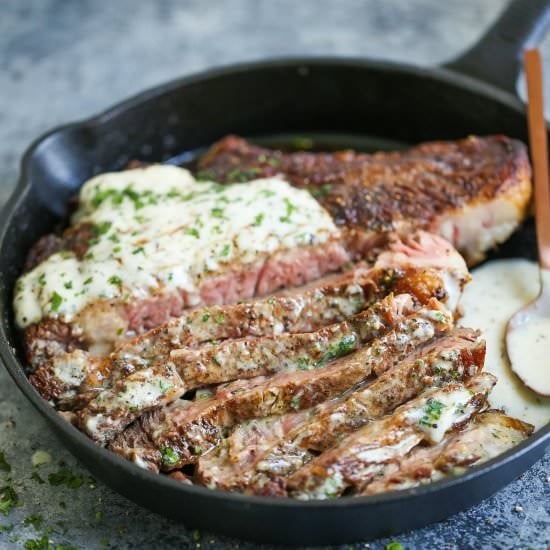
[[383, 191]]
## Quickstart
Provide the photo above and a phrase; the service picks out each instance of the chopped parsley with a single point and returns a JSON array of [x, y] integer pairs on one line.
[[8, 500], [88, 281], [193, 232], [36, 477], [35, 521], [102, 228], [204, 175], [115, 280], [220, 319], [165, 387], [114, 237], [4, 465], [225, 251], [69, 285], [205, 317], [217, 212], [168, 455], [240, 175], [139, 250], [258, 220], [65, 477], [343, 347], [55, 301], [321, 191], [432, 413], [42, 279]]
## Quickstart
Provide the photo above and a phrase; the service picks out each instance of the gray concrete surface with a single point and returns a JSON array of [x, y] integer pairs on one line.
[[64, 60]]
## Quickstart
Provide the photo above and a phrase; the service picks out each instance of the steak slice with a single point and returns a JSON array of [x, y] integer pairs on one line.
[[111, 411], [489, 434], [473, 191], [189, 431], [259, 455], [363, 454]]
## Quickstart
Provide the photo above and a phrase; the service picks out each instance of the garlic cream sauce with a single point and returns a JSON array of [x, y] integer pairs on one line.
[[498, 289], [157, 229]]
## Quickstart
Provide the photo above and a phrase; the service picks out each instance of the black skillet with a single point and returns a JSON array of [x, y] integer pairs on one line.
[[392, 103]]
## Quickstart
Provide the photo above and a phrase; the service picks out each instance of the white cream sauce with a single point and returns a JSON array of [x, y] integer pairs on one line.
[[160, 230], [498, 289]]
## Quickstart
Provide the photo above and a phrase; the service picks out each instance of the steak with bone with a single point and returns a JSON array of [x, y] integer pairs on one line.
[[474, 191]]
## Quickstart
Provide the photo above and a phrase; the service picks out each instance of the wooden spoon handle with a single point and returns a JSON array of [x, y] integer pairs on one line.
[[539, 152]]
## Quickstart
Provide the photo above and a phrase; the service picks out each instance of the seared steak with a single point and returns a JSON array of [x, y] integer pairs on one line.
[[363, 454], [474, 192], [113, 409], [192, 430], [259, 455], [489, 434]]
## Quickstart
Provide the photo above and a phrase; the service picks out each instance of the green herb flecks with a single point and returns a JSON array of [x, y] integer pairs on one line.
[[65, 477], [115, 280], [168, 455], [432, 413], [8, 500], [4, 464], [193, 232], [55, 301], [35, 521], [225, 251], [343, 347], [239, 175], [258, 220]]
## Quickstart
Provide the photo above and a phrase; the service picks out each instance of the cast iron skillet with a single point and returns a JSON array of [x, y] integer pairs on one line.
[[473, 95]]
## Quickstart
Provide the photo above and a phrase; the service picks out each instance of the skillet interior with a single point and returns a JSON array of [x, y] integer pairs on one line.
[[338, 103]]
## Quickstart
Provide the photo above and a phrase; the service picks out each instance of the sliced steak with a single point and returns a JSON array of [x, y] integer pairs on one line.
[[474, 191], [259, 455], [489, 434], [109, 413], [191, 431], [363, 454]]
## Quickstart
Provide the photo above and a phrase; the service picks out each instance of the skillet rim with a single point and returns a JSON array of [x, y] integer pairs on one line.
[[16, 368]]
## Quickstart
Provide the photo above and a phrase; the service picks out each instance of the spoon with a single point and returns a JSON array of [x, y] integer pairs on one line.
[[528, 330]]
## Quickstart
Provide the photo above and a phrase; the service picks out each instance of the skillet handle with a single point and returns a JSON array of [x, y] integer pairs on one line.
[[497, 56]]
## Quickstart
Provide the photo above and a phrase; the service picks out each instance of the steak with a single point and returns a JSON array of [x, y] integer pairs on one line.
[[474, 192], [259, 455], [489, 434], [113, 409], [425, 266], [192, 430], [363, 454]]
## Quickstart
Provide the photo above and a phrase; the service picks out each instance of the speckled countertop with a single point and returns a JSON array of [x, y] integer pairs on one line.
[[61, 61]]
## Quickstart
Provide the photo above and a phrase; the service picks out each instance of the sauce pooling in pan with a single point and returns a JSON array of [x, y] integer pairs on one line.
[[498, 289]]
